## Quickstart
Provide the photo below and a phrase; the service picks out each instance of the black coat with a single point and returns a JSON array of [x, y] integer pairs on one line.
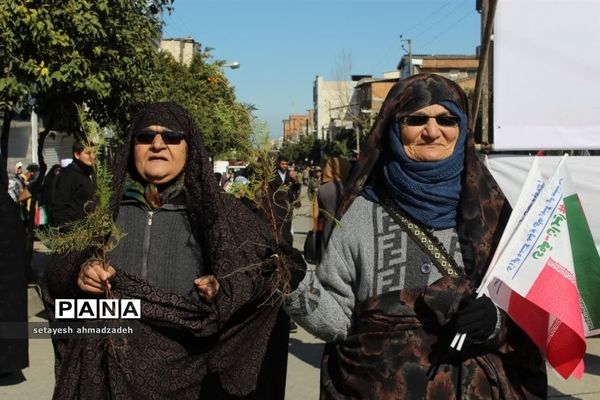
[[280, 203], [229, 339], [13, 288], [74, 188]]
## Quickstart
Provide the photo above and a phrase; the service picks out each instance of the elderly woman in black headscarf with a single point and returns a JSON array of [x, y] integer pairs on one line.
[[420, 220], [178, 225]]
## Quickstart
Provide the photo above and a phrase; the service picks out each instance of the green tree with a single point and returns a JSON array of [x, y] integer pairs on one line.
[[203, 89], [309, 147], [60, 53], [335, 148], [259, 137], [57, 54]]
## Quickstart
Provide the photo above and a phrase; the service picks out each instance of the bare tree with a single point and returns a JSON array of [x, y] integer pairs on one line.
[[348, 109]]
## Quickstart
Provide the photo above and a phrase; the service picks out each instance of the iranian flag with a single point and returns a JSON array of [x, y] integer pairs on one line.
[[545, 269]]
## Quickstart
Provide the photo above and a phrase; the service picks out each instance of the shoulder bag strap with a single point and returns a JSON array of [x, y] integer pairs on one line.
[[444, 263]]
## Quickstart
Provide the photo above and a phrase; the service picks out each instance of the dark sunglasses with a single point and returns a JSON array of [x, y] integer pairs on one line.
[[146, 136], [420, 120]]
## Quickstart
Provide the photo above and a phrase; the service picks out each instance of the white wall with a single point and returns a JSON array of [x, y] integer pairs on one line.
[[546, 90], [20, 147], [182, 50]]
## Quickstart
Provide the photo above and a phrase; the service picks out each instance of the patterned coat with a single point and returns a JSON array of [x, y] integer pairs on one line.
[[182, 348], [388, 323]]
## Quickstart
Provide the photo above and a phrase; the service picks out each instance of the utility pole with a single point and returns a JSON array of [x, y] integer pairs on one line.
[[358, 134], [483, 70], [485, 78], [410, 55], [410, 58]]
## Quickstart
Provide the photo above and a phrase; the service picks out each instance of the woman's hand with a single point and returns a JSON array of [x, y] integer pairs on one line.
[[296, 263], [94, 277], [208, 287], [477, 318]]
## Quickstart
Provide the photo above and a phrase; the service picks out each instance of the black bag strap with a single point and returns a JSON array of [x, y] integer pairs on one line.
[[443, 262]]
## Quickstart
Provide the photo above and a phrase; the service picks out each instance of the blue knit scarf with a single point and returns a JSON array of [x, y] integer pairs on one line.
[[428, 191]]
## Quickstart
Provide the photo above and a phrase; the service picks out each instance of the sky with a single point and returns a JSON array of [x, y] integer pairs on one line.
[[282, 45]]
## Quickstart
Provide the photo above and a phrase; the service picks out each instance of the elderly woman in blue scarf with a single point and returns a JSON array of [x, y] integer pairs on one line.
[[420, 220]]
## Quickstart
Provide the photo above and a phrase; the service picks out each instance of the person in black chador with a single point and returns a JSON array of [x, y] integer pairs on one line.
[[74, 186], [13, 288], [178, 225]]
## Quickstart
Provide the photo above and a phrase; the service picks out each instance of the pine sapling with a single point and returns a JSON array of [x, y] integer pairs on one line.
[[96, 233]]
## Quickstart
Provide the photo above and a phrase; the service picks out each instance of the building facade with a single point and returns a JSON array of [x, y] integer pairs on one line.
[[460, 68], [370, 93], [296, 126], [332, 100], [182, 50]]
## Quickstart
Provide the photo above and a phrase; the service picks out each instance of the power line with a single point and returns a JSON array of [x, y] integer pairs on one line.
[[397, 46], [172, 30], [447, 29], [177, 28], [428, 16], [183, 24], [438, 21]]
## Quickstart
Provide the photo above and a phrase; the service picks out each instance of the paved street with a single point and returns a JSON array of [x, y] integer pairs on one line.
[[37, 381]]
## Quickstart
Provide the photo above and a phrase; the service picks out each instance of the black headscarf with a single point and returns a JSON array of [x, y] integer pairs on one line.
[[230, 334], [482, 212], [219, 223], [482, 208]]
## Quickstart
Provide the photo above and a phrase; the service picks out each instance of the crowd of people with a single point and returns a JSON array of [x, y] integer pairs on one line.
[[406, 234], [66, 189], [18, 186]]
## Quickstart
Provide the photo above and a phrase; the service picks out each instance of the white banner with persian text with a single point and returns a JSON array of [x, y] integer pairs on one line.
[[546, 58]]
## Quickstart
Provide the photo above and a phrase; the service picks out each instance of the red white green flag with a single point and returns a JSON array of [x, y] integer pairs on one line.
[[545, 269], [585, 259]]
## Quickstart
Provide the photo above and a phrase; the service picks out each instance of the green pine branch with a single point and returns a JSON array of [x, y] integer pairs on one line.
[[97, 231]]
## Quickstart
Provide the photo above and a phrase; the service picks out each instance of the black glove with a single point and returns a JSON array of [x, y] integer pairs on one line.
[[477, 318], [295, 261]]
